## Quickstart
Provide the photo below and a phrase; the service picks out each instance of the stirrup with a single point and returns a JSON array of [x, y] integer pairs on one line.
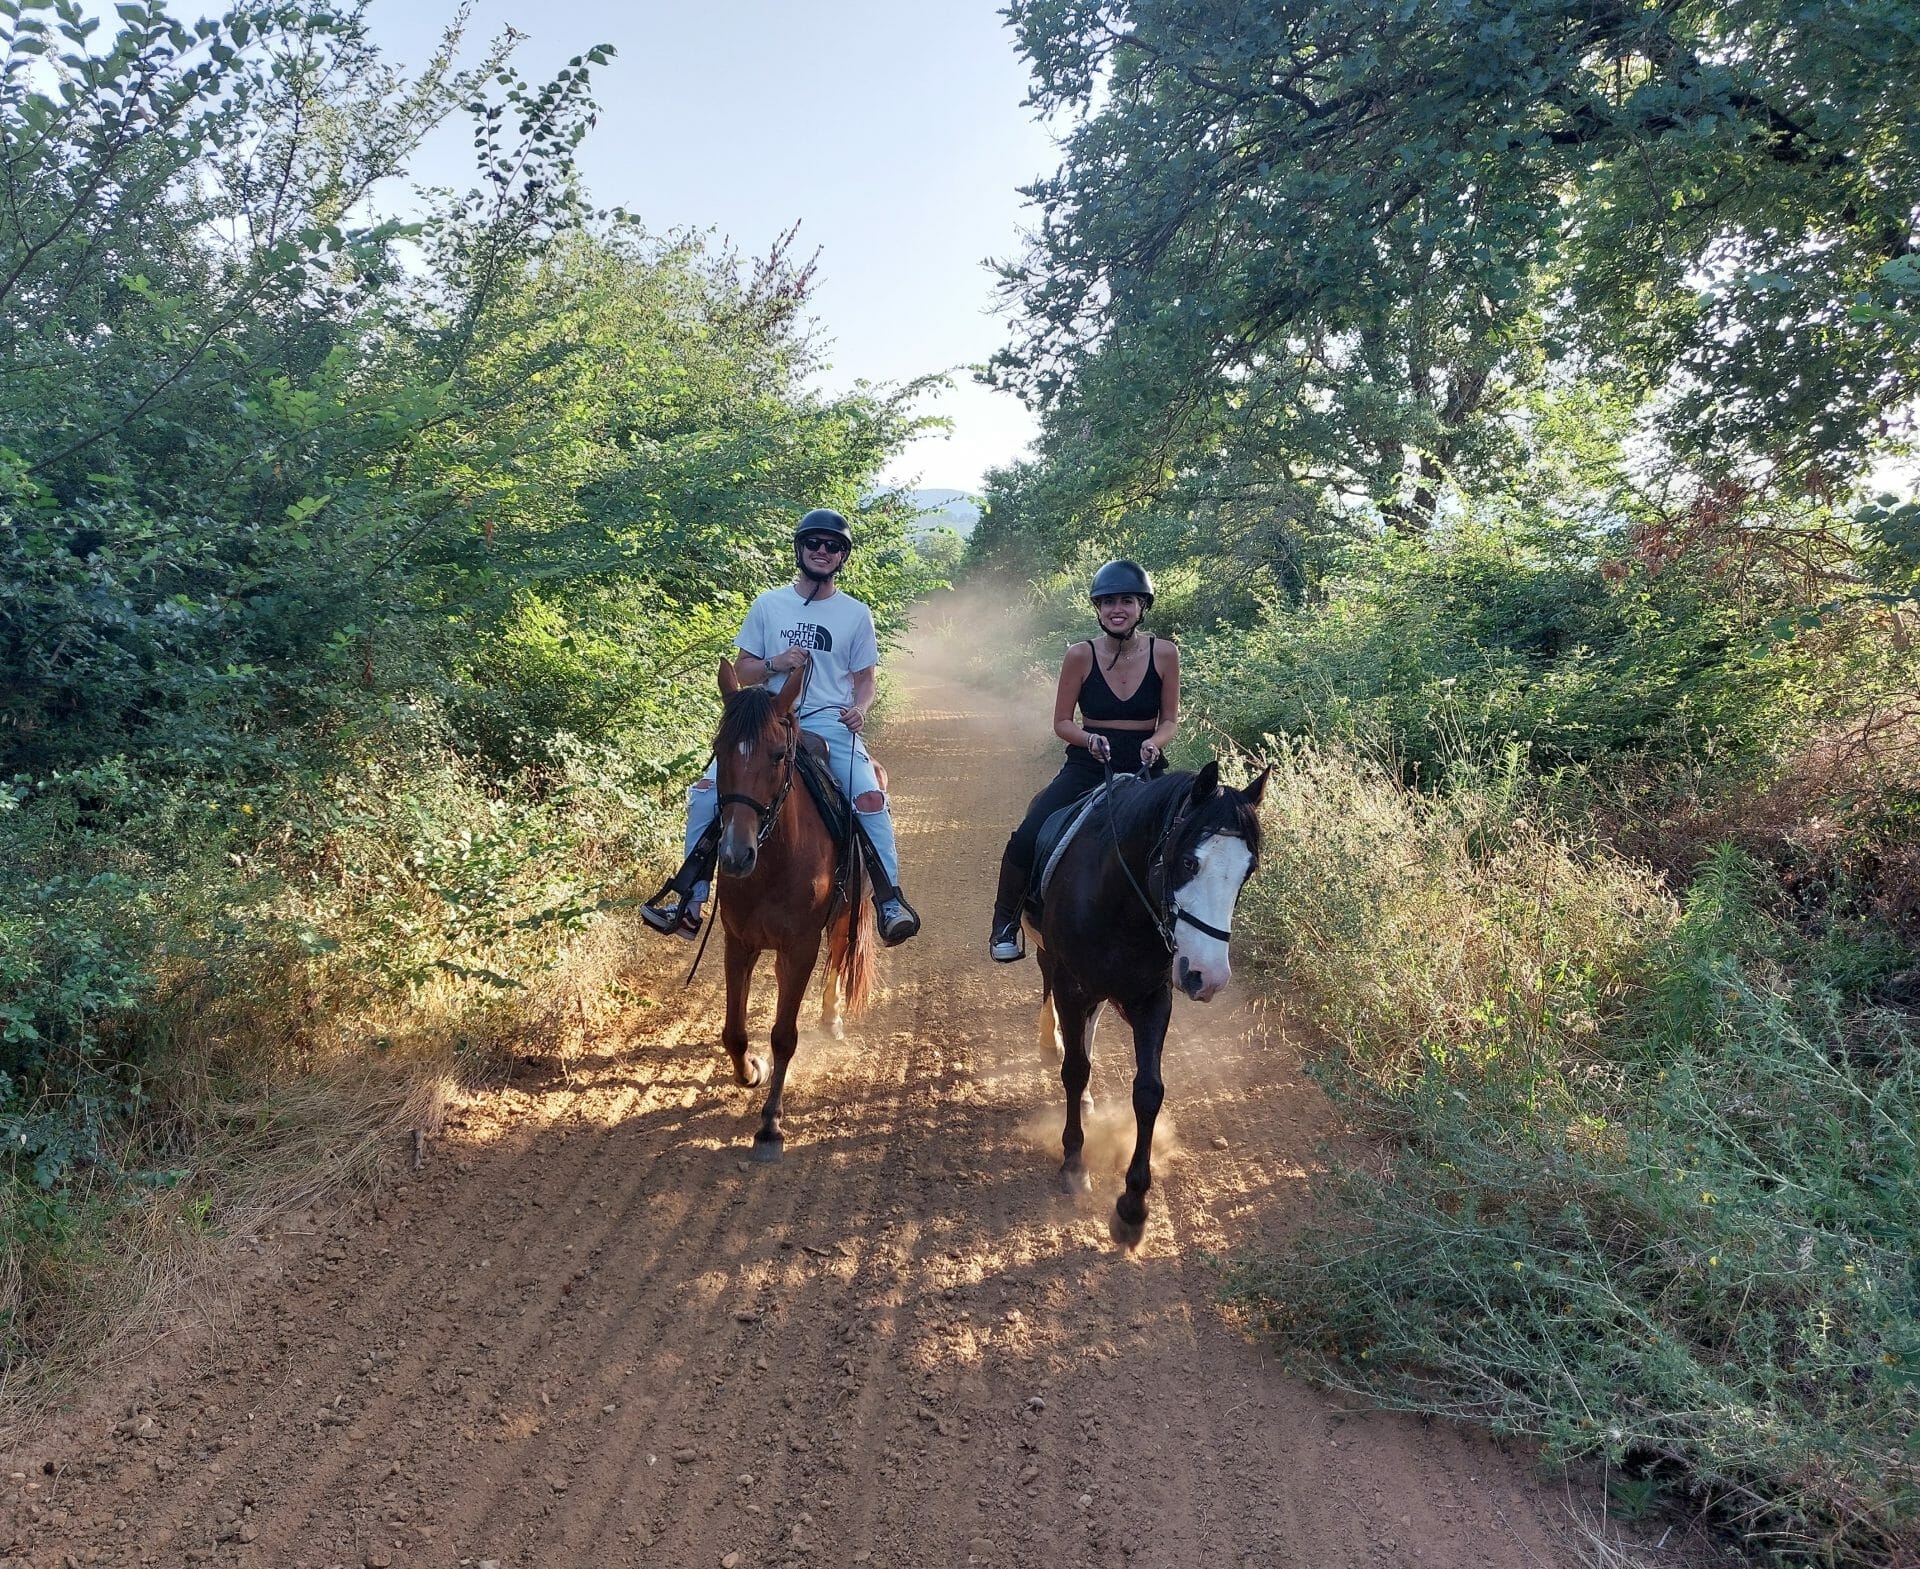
[[663, 917], [896, 924]]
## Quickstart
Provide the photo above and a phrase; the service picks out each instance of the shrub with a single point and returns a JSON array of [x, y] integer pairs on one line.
[[1655, 1173]]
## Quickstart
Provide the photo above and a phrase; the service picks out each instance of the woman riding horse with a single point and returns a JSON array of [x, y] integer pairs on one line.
[[1128, 694]]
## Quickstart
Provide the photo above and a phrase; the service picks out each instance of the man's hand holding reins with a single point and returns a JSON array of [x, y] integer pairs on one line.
[[853, 718]]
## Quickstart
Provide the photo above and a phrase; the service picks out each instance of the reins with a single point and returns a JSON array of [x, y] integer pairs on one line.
[[1163, 923]]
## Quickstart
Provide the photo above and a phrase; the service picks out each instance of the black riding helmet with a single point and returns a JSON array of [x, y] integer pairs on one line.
[[1122, 577], [821, 520]]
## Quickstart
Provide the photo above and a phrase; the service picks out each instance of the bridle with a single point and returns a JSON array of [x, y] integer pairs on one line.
[[1165, 912], [768, 813]]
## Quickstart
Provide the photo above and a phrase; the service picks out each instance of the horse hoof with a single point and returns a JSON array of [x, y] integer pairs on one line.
[[1127, 1233], [765, 1151], [1075, 1179], [750, 1071]]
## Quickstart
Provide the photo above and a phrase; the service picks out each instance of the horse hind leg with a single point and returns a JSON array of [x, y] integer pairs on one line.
[[835, 1000], [1052, 1049], [830, 1011]]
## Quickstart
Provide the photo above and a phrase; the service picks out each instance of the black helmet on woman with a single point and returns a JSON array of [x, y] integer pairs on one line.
[[1122, 577], [821, 520]]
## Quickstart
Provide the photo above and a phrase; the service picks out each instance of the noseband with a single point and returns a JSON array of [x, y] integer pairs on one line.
[[768, 813]]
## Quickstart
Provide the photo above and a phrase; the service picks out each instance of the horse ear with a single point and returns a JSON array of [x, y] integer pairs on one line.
[[786, 697], [729, 677], [1258, 788], [1206, 782]]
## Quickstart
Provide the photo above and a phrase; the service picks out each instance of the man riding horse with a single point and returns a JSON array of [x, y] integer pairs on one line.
[[811, 631]]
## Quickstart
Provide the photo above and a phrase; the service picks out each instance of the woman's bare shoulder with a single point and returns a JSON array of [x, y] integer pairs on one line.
[[1078, 656]]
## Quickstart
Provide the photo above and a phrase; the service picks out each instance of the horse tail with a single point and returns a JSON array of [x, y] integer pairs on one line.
[[850, 947]]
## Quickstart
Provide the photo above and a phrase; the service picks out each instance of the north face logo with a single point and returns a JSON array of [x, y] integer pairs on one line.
[[806, 635]]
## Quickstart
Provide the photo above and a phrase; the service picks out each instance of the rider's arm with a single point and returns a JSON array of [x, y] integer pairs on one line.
[[752, 669], [1169, 694], [855, 714], [1073, 674]]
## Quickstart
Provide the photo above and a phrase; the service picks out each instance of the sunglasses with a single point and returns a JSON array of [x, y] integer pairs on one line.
[[824, 542]]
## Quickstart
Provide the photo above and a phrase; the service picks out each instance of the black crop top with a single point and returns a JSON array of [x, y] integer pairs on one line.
[[1097, 699]]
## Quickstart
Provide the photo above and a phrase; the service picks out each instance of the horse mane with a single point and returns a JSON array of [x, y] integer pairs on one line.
[[745, 717], [1147, 809]]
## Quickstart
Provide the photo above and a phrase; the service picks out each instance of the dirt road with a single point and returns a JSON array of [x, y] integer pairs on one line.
[[589, 1333]]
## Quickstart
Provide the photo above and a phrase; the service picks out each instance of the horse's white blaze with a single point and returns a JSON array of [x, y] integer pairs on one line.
[[1208, 896]]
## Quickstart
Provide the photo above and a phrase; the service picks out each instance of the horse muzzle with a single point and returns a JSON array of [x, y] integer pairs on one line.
[[1197, 981], [738, 854]]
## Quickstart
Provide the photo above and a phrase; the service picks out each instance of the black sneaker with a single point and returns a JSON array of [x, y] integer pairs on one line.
[[896, 920], [663, 918], [1009, 944]]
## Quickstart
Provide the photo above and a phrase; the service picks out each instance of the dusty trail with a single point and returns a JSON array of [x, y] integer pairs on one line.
[[589, 1333]]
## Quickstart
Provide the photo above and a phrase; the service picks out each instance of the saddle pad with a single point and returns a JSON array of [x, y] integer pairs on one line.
[[828, 798], [1067, 822]]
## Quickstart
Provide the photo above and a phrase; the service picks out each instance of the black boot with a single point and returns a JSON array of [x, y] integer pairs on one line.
[[671, 910], [1007, 942], [893, 917]]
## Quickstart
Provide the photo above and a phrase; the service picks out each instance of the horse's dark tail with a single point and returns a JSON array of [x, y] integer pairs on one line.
[[851, 941]]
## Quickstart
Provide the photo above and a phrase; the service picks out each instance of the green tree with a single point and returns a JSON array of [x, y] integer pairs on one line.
[[1324, 245]]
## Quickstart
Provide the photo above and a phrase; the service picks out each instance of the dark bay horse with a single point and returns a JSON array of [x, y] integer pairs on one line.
[[1141, 902], [776, 888]]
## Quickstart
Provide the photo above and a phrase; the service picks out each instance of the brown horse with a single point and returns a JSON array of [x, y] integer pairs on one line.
[[776, 888]]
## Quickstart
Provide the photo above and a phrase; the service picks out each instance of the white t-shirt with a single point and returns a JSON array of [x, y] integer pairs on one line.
[[837, 628]]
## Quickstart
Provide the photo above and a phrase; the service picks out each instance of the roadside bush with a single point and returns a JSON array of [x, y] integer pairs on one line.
[[1654, 1173]]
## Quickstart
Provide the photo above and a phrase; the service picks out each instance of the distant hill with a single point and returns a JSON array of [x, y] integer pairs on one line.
[[952, 509]]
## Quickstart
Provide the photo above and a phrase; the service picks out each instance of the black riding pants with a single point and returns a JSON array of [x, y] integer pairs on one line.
[[1080, 775]]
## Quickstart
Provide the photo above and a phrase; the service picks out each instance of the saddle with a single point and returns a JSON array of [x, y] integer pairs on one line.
[[829, 800], [1059, 830]]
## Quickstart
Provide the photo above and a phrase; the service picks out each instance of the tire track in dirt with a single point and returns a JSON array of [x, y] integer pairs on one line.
[[571, 1337]]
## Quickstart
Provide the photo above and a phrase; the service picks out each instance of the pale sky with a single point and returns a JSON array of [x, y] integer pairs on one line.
[[891, 129]]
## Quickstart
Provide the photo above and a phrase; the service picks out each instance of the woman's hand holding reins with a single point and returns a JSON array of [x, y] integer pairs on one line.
[[1149, 753], [1099, 746]]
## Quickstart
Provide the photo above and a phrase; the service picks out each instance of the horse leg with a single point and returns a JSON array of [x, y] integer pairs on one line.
[[794, 968], [1149, 1038], [830, 988], [1051, 1047], [1076, 1013], [740, 962]]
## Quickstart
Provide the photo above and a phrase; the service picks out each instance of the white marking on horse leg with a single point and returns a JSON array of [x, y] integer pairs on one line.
[[1052, 1046], [830, 1003], [1209, 896]]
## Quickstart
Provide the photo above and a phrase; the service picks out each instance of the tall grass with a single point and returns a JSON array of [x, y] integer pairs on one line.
[[1652, 1183]]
